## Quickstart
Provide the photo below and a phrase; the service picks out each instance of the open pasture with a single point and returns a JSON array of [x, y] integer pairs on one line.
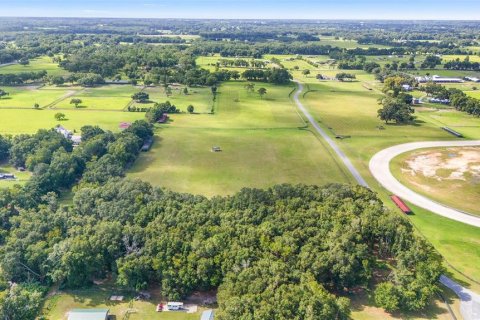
[[108, 97], [27, 96], [16, 121], [35, 65], [252, 132], [200, 97], [238, 108], [182, 160]]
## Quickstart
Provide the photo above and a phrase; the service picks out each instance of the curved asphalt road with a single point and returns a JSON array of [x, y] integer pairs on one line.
[[327, 138], [380, 169]]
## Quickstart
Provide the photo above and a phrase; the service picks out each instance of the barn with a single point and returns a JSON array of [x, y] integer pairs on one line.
[[88, 314]]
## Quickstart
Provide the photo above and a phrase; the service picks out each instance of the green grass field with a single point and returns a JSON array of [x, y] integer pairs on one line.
[[200, 97], [108, 97], [27, 96], [261, 145], [57, 306], [38, 64], [181, 159], [16, 121]]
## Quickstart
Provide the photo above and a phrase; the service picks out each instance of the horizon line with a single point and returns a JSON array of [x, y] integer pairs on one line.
[[240, 19]]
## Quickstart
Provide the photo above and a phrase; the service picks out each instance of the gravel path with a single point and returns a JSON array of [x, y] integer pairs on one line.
[[470, 306], [327, 138], [380, 169]]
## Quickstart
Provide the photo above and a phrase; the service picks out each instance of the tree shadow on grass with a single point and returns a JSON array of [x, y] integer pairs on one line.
[[363, 300]]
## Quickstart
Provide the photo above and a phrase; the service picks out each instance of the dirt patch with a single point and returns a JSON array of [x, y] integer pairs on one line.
[[451, 164]]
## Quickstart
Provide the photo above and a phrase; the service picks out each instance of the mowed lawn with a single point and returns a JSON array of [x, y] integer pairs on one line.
[[201, 98], [56, 307], [108, 97], [27, 96], [38, 64], [182, 160], [350, 111], [16, 121]]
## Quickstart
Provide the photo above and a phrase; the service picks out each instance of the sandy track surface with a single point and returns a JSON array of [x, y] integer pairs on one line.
[[380, 169]]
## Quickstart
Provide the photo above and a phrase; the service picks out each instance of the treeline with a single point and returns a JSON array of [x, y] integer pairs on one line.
[[458, 99], [466, 64], [259, 36], [56, 166], [243, 63], [257, 50], [300, 247], [143, 63], [397, 103], [275, 75], [11, 79]]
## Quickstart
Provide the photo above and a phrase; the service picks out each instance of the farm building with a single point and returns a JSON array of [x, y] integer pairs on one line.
[[442, 101], [66, 133], [407, 87], [438, 79], [76, 140], [88, 314], [7, 176], [473, 79], [207, 315]]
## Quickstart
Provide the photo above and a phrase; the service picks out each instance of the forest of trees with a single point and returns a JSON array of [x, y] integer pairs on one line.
[[303, 247]]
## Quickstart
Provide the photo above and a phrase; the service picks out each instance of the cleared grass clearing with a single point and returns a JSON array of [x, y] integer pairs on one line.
[[181, 159], [38, 64], [20, 177], [16, 121], [200, 98], [27, 96], [57, 306]]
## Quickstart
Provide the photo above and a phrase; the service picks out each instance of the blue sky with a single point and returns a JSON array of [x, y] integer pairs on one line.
[[268, 9]]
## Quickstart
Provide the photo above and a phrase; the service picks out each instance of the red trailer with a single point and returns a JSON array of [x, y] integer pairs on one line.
[[400, 204]]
